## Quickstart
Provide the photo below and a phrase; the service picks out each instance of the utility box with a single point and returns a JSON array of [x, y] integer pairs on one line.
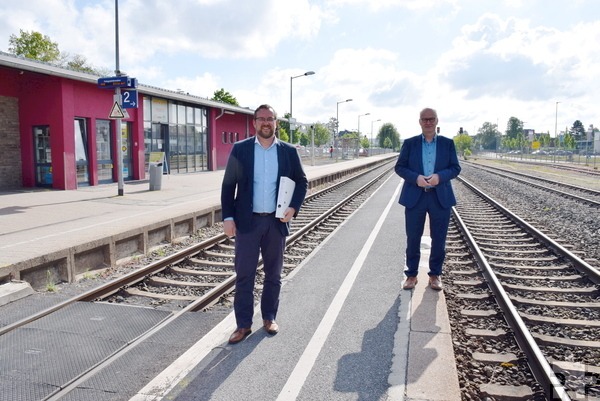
[[156, 173]]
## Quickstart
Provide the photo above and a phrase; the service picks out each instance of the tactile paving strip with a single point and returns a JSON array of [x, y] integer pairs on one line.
[[125, 376], [21, 390], [53, 350]]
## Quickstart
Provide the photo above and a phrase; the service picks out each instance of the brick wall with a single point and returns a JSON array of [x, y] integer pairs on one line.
[[10, 144]]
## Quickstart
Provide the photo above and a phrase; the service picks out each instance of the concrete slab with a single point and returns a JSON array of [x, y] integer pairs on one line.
[[424, 366], [13, 291]]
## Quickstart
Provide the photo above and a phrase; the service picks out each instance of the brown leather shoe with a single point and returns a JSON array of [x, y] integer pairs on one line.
[[410, 283], [271, 327], [239, 334], [435, 283]]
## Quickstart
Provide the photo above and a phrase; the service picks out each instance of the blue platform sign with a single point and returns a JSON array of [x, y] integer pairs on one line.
[[117, 82], [129, 99]]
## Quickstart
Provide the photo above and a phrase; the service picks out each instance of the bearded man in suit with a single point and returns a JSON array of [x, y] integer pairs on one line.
[[249, 201]]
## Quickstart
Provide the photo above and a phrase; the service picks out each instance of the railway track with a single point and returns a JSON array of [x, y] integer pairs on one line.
[[587, 195], [525, 309], [559, 165], [201, 275]]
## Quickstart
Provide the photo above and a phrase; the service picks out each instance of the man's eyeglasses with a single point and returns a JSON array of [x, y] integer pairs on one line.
[[265, 119], [429, 120]]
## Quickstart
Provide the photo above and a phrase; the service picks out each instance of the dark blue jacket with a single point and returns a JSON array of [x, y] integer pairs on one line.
[[238, 182], [410, 165]]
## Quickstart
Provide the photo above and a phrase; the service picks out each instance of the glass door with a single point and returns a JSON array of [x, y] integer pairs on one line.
[[43, 156], [160, 143], [126, 150], [103, 152], [81, 153]]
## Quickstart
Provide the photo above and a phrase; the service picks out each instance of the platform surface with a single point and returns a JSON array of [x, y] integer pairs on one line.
[[348, 330]]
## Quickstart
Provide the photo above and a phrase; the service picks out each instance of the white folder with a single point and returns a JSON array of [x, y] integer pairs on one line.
[[284, 197]]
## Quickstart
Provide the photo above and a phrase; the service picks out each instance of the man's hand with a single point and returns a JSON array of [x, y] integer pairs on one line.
[[423, 181], [433, 180], [229, 228], [288, 215]]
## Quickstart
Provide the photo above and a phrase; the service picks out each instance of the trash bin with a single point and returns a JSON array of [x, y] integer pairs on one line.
[[155, 170]]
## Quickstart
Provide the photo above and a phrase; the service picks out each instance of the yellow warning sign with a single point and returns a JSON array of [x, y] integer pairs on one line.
[[116, 112], [156, 157]]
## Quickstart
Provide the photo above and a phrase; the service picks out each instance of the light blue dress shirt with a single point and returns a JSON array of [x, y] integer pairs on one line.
[[265, 178], [429, 156]]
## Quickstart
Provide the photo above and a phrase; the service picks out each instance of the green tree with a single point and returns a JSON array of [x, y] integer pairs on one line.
[[302, 137], [222, 95], [40, 47], [514, 127], [578, 131], [388, 131], [569, 141], [322, 135], [463, 142], [332, 125], [34, 45], [282, 133], [79, 63], [284, 123], [545, 140], [488, 135]]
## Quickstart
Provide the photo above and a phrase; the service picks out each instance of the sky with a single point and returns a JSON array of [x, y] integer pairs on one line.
[[474, 61]]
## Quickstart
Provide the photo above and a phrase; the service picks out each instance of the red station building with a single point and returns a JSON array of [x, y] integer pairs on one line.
[[56, 129]]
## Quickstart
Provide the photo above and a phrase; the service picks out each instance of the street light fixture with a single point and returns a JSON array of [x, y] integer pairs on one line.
[[290, 119], [358, 141], [337, 115], [372, 122], [337, 124], [361, 115]]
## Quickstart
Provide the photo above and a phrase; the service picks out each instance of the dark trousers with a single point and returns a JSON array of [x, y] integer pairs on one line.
[[265, 239], [439, 219]]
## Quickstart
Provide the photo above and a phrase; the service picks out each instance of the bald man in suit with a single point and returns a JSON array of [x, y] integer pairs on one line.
[[427, 163]]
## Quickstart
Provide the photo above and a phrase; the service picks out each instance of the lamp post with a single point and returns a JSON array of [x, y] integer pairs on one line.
[[118, 73], [587, 145], [358, 141], [337, 125], [555, 130], [290, 119], [372, 122], [523, 139], [556, 119]]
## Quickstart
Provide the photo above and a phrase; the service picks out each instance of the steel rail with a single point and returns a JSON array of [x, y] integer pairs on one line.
[[199, 304], [139, 275], [579, 264], [538, 363], [495, 170]]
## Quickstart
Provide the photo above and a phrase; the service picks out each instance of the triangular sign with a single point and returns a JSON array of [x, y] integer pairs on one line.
[[116, 112]]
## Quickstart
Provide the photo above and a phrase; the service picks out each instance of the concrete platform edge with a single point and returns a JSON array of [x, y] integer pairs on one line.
[[423, 366]]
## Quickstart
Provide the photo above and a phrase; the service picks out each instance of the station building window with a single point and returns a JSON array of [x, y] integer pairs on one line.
[[42, 156], [179, 130]]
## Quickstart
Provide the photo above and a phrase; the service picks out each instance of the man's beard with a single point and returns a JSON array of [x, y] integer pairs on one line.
[[266, 135]]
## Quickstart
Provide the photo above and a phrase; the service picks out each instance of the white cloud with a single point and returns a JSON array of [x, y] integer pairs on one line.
[[473, 61], [224, 29]]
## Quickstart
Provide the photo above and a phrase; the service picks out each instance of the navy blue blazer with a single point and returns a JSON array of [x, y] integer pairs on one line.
[[410, 165], [238, 182]]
